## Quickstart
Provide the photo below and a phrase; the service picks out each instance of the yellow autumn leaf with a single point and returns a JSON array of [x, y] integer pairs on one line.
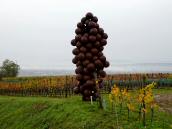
[[130, 106]]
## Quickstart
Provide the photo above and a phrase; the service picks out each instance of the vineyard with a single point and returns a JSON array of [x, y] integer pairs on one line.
[[122, 106], [71, 113], [62, 86], [35, 86]]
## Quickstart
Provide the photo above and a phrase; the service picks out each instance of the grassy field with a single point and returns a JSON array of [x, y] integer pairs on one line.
[[71, 113]]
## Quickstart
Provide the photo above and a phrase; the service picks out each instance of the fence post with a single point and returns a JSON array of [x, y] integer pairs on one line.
[[66, 87]]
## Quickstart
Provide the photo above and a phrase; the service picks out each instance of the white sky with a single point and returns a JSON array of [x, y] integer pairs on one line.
[[37, 33]]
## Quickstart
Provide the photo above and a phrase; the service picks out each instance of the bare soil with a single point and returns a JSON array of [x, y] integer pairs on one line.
[[165, 102]]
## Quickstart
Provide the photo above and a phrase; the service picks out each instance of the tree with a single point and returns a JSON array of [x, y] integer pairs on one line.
[[0, 74], [9, 69]]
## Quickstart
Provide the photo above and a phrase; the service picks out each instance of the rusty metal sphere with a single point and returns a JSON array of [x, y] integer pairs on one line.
[[102, 58], [97, 44], [90, 83], [75, 51], [105, 36], [85, 62], [94, 51], [103, 42], [92, 24], [86, 71], [78, 64], [78, 44], [88, 55], [92, 38], [83, 49], [107, 64], [89, 15], [87, 22], [73, 42], [81, 56], [100, 54], [83, 20], [80, 25], [84, 39], [79, 70], [95, 19], [86, 35], [95, 58], [74, 60], [98, 63], [102, 73], [101, 31], [87, 93], [79, 77], [82, 88], [78, 31], [97, 26], [89, 45], [93, 31], [98, 37], [86, 77], [91, 67], [78, 37], [101, 48]]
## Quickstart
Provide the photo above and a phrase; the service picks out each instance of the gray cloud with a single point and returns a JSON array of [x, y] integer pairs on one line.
[[37, 33]]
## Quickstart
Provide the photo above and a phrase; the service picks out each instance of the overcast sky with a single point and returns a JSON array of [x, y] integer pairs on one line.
[[37, 33]]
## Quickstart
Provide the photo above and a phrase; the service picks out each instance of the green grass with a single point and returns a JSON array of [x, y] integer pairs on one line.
[[70, 113], [166, 90]]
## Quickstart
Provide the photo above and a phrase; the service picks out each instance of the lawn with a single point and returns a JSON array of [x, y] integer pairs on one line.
[[72, 113]]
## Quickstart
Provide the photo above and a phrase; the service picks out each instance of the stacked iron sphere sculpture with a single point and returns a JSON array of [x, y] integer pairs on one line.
[[89, 59]]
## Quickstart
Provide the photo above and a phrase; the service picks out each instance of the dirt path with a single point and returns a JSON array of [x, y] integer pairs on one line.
[[165, 102]]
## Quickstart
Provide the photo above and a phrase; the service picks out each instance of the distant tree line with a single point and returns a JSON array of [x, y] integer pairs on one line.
[[9, 69]]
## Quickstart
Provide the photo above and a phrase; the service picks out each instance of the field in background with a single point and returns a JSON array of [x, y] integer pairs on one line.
[[62, 86]]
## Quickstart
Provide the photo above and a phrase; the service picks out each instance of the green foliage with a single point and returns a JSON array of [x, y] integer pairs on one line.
[[0, 75], [69, 113], [9, 69]]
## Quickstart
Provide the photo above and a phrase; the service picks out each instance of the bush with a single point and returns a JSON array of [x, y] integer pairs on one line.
[[9, 69]]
